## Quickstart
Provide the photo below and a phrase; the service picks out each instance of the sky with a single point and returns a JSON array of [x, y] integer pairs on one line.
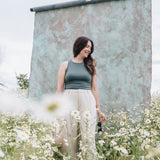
[[16, 39]]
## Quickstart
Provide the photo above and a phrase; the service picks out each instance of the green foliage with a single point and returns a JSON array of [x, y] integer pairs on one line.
[[1, 84], [23, 81]]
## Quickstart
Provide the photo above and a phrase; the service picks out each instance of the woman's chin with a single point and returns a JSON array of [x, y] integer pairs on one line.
[[86, 55]]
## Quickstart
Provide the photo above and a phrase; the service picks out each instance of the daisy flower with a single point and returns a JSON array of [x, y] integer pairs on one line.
[[148, 121], [117, 148], [124, 150], [101, 142], [22, 136], [51, 107], [113, 143], [122, 123], [87, 115]]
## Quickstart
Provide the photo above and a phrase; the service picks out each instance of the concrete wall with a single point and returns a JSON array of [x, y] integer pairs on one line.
[[121, 32]]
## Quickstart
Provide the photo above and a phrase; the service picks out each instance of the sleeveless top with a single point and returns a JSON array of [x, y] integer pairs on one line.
[[77, 76]]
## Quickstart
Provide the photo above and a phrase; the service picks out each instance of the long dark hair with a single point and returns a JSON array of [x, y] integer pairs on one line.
[[78, 45]]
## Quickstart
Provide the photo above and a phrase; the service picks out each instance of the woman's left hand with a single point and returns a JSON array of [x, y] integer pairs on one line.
[[102, 117]]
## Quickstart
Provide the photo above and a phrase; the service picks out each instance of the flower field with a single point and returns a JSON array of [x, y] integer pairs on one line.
[[123, 137]]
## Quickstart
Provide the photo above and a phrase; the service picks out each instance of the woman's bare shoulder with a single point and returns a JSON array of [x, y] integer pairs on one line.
[[64, 64]]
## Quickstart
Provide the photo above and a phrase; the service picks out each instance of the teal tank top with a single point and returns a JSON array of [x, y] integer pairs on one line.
[[77, 76]]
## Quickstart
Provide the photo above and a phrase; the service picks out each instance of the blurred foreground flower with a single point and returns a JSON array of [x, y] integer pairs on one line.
[[50, 107], [13, 104]]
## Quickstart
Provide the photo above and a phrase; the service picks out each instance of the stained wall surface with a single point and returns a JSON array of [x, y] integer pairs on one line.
[[121, 32]]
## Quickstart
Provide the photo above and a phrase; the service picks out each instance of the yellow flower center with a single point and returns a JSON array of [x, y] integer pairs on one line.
[[25, 125], [52, 107], [23, 135]]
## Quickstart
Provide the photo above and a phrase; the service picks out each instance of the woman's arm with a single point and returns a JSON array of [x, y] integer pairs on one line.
[[61, 76], [95, 93]]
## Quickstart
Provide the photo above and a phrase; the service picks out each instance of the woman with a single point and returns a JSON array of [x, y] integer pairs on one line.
[[78, 79]]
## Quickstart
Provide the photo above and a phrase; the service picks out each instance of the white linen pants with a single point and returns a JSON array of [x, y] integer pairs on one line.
[[83, 100]]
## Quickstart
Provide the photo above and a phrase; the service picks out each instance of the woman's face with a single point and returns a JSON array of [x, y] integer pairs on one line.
[[86, 50]]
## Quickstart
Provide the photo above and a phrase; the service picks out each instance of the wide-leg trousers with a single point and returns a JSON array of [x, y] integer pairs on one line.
[[84, 102]]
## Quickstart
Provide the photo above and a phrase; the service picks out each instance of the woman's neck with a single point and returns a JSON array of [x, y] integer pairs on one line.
[[78, 59]]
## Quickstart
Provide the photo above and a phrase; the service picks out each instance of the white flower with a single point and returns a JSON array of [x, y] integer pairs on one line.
[[25, 126], [77, 117], [111, 135], [48, 145], [64, 123], [122, 123], [56, 125], [22, 136], [35, 144], [66, 158], [133, 130], [101, 142], [147, 146], [1, 153], [46, 152], [51, 107], [151, 116], [147, 133], [140, 139], [117, 148], [144, 133], [87, 115], [148, 140], [122, 130], [153, 140], [118, 134], [113, 143], [75, 113], [33, 157], [124, 150], [147, 111], [148, 121]]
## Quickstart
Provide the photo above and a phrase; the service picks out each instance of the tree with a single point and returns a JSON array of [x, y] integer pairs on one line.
[[23, 81]]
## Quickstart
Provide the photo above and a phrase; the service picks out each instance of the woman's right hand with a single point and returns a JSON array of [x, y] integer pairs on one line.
[[101, 116]]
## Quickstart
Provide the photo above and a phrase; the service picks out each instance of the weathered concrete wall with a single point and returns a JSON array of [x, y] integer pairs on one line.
[[121, 32]]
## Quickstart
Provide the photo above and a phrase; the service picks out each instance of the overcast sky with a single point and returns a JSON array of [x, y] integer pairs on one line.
[[16, 37]]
